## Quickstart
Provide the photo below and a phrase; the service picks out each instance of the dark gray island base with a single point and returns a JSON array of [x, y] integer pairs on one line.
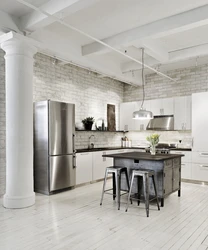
[[167, 169]]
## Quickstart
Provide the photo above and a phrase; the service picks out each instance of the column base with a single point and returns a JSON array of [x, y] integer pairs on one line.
[[18, 201]]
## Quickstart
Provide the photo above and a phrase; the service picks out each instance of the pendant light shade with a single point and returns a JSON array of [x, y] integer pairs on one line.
[[142, 114]]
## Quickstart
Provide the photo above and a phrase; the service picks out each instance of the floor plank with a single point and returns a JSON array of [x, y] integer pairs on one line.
[[74, 220]]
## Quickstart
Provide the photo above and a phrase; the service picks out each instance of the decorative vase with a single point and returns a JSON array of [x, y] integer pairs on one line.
[[153, 149], [88, 126]]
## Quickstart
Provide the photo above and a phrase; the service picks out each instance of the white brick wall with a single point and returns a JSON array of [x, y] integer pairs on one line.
[[67, 83], [189, 80]]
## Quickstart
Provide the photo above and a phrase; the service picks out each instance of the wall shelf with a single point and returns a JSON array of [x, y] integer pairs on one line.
[[117, 131]]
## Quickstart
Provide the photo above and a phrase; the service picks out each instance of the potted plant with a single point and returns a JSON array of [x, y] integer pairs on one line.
[[88, 122], [153, 140]]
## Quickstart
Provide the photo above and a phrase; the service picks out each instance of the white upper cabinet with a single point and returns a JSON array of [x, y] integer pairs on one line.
[[200, 121], [162, 106], [182, 113], [126, 111], [180, 107]]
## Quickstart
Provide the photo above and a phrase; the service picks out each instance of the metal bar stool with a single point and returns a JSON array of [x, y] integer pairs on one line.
[[116, 171], [145, 174]]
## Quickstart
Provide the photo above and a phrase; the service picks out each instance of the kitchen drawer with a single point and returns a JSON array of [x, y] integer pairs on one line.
[[187, 155], [200, 172], [200, 157], [186, 171]]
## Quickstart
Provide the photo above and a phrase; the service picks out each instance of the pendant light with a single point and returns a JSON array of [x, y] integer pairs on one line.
[[142, 114]]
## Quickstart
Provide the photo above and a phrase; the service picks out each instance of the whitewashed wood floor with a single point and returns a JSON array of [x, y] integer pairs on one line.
[[74, 220]]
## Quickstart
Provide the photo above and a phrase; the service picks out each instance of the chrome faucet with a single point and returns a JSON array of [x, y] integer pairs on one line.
[[91, 144]]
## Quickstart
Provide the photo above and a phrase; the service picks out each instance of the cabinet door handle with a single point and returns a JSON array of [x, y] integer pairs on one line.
[[203, 166], [183, 164], [84, 153], [206, 154]]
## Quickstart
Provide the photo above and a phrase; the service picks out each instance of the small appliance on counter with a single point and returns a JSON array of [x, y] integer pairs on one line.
[[54, 149]]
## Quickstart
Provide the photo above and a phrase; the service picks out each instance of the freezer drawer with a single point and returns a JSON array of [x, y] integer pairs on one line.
[[62, 172]]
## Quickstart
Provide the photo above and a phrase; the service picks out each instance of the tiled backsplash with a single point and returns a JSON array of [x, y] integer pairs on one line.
[[111, 139], [100, 139], [139, 138]]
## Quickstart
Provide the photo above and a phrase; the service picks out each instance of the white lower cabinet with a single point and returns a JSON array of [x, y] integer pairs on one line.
[[99, 164], [83, 167], [90, 166], [186, 164], [200, 166], [200, 172]]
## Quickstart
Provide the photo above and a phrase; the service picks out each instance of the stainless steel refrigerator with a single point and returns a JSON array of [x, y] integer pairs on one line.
[[54, 149]]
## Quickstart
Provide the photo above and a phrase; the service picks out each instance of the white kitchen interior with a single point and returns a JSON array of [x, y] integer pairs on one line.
[[94, 53]]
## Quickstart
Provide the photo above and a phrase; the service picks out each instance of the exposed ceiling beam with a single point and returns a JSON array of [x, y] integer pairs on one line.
[[131, 66], [56, 47], [37, 20], [92, 37], [155, 49], [7, 23], [169, 25], [174, 56], [183, 54]]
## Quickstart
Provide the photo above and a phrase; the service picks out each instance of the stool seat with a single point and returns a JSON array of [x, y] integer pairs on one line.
[[141, 172], [115, 168], [145, 174], [116, 171]]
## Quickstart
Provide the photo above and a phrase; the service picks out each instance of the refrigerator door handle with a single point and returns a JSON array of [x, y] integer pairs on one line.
[[74, 161], [73, 143]]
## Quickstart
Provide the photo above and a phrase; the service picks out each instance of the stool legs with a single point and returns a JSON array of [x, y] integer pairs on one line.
[[153, 180], [128, 183], [146, 192], [116, 172], [145, 175], [129, 195], [118, 189], [139, 186], [104, 183], [114, 186]]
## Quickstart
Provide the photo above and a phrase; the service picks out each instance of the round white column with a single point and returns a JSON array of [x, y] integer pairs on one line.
[[19, 123]]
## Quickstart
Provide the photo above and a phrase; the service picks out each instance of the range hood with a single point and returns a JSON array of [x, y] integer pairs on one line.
[[161, 122]]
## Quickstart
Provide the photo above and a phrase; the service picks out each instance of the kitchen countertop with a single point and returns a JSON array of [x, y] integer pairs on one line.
[[144, 156], [82, 150], [181, 149], [104, 149]]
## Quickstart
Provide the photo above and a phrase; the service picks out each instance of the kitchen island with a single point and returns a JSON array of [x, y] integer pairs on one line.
[[167, 169]]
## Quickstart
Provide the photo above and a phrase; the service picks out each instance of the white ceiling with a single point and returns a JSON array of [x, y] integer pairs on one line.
[[173, 33]]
